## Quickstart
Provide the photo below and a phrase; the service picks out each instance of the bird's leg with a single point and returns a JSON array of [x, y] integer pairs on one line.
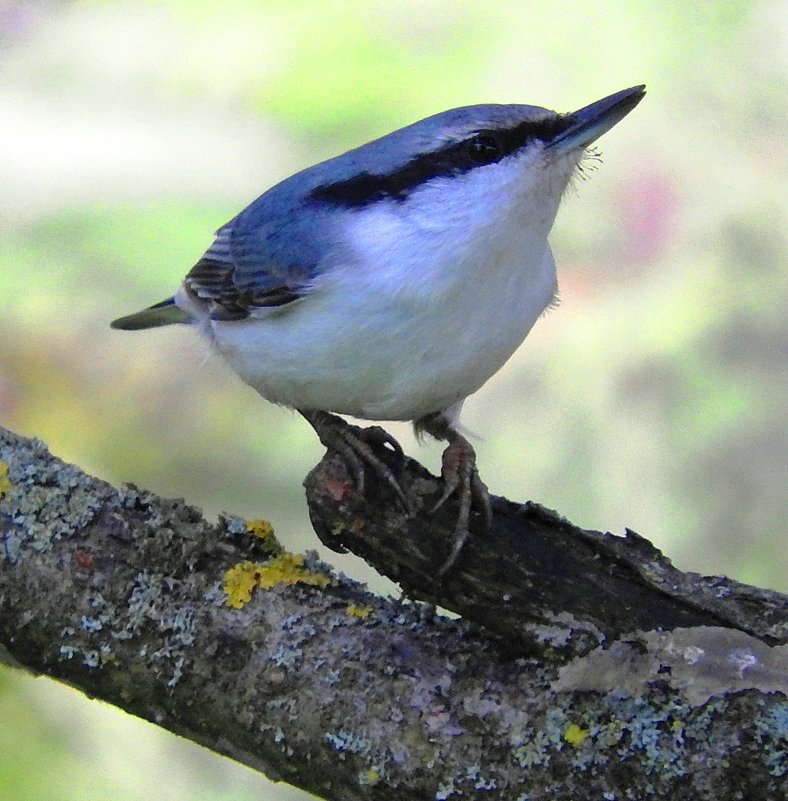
[[356, 446], [460, 476]]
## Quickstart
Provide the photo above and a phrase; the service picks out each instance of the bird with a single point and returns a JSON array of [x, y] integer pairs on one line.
[[392, 281]]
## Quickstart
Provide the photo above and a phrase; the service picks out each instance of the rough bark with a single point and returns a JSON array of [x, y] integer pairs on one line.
[[585, 665]]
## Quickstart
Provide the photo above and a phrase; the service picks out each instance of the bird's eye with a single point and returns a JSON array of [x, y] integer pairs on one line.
[[484, 149]]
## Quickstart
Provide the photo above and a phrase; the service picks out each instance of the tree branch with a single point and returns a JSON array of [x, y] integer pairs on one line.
[[534, 581], [585, 666]]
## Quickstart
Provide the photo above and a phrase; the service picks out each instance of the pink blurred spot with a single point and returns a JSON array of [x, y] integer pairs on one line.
[[649, 207]]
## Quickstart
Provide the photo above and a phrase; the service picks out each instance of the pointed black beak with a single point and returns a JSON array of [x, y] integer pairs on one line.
[[589, 123]]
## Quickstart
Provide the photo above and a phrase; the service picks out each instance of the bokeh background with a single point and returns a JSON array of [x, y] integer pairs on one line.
[[654, 397]]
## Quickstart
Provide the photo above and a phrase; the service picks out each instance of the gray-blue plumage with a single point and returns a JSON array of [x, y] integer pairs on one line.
[[270, 253]]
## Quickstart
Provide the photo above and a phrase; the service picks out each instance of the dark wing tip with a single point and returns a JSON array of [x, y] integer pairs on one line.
[[216, 284]]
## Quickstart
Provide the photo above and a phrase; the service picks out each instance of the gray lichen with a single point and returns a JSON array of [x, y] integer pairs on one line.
[[353, 696], [46, 500]]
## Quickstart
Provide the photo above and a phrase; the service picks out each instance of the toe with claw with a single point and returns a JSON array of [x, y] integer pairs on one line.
[[460, 478], [358, 446]]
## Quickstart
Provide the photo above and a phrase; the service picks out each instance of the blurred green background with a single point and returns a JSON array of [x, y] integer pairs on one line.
[[654, 397]]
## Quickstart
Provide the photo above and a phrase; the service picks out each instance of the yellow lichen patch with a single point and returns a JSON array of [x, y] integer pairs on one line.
[[358, 611], [262, 529], [239, 583], [575, 736], [241, 580], [5, 482], [288, 568]]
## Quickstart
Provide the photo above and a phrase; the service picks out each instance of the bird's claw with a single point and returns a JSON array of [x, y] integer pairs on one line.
[[461, 476], [377, 436], [356, 446]]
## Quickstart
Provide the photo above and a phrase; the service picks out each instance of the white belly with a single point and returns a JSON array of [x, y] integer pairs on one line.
[[376, 344]]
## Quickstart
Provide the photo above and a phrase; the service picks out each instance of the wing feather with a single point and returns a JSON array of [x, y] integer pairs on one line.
[[234, 278]]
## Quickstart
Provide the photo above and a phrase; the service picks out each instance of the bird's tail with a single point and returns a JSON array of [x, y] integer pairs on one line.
[[164, 313]]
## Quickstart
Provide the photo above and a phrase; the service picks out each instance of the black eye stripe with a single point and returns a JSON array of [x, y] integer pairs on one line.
[[484, 147]]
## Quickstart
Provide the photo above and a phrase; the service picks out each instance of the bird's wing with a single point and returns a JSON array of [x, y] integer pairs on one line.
[[244, 270]]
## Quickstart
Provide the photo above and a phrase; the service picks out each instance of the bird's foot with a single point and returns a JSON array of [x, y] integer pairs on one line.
[[461, 477], [357, 446]]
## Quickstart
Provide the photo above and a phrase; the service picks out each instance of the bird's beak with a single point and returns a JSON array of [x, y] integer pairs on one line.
[[589, 123]]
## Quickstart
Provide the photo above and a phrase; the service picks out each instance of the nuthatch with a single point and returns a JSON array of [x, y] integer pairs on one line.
[[389, 283]]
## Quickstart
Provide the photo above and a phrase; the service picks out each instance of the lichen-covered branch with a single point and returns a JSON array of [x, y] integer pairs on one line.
[[210, 630]]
